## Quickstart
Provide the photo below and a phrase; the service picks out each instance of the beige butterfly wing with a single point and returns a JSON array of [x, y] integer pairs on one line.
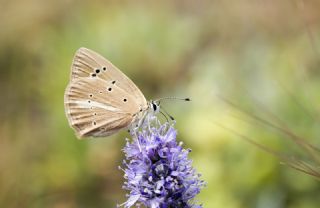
[[100, 100]]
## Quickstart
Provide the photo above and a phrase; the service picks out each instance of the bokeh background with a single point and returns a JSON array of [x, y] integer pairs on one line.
[[261, 54]]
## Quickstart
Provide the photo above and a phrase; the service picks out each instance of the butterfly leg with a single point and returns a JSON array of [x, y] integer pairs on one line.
[[136, 125], [141, 123]]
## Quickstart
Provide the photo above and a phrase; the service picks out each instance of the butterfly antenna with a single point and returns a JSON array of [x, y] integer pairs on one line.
[[173, 98], [166, 112], [164, 116]]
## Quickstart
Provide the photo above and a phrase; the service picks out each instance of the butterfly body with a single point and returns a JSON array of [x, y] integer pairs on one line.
[[100, 100]]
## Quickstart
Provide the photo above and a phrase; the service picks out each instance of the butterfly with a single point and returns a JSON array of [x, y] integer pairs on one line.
[[100, 100]]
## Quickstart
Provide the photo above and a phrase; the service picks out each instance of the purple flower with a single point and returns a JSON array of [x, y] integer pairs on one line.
[[157, 170]]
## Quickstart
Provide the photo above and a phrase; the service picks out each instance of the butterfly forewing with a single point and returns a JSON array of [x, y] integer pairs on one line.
[[87, 63], [100, 100]]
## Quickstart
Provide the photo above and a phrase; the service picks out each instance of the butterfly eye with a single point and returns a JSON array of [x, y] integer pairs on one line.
[[113, 82], [125, 100], [93, 75], [97, 71], [154, 106], [94, 123], [104, 68], [90, 95], [109, 89]]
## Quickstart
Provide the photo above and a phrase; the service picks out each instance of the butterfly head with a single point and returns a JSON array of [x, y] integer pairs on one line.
[[154, 106]]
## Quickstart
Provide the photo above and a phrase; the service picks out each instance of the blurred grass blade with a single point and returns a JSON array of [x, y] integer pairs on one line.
[[290, 161], [311, 150]]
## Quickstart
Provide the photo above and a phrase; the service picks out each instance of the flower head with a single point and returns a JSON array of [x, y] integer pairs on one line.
[[157, 170]]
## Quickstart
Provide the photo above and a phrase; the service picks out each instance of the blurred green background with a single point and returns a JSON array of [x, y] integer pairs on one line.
[[263, 55]]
